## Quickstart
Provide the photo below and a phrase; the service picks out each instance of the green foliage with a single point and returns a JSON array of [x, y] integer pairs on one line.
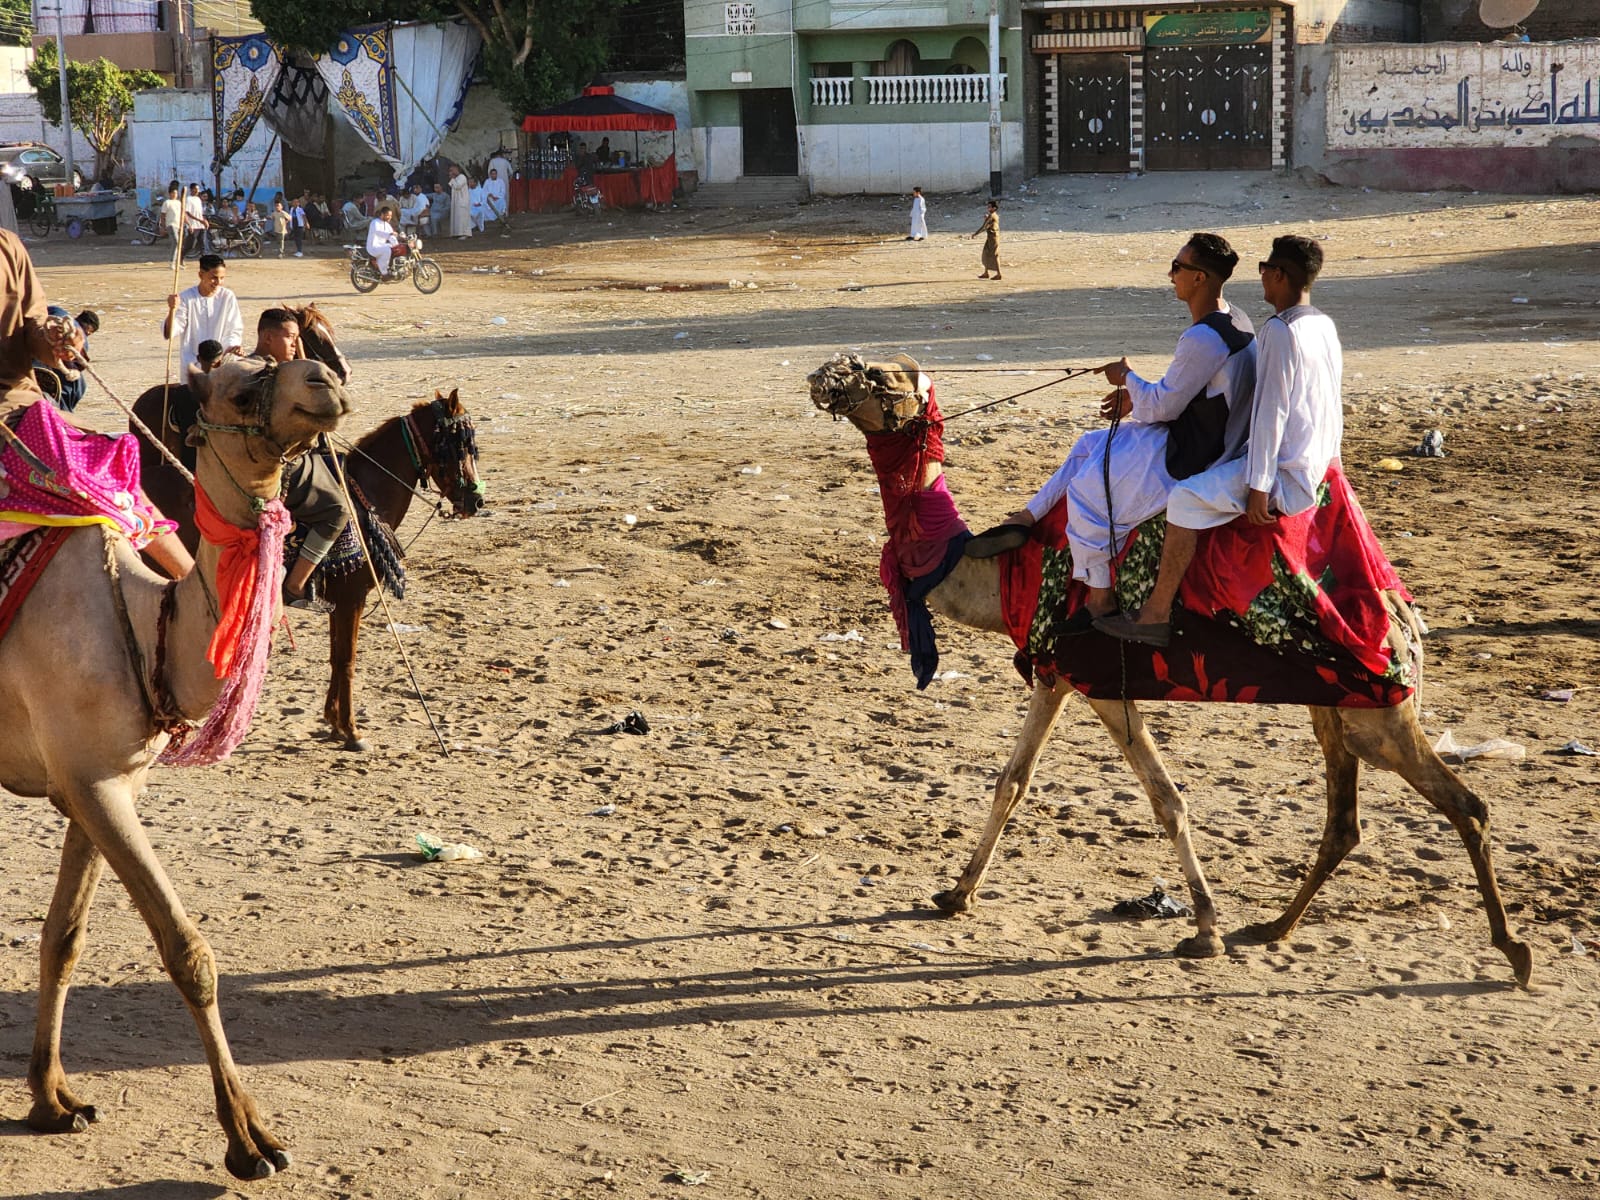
[[535, 53], [99, 95], [16, 22]]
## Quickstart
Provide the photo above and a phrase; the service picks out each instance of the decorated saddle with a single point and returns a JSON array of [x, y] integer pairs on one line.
[[346, 556], [1297, 612]]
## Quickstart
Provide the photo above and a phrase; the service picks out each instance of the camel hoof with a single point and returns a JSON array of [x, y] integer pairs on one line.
[[254, 1167], [953, 901], [1201, 945], [357, 744], [280, 1159], [63, 1121], [1260, 933], [1521, 959]]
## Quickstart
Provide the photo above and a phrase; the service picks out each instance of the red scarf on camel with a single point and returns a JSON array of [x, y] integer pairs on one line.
[[236, 578]]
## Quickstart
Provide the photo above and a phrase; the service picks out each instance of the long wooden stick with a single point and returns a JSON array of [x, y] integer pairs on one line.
[[166, 386]]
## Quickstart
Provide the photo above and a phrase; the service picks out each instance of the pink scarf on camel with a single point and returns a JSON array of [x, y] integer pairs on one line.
[[247, 585]]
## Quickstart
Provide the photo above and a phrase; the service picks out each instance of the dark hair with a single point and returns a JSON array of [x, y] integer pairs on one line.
[[90, 320], [1211, 251], [275, 318], [210, 262], [208, 352], [1297, 257]]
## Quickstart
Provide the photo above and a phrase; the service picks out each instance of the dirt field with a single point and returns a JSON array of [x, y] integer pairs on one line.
[[703, 961]]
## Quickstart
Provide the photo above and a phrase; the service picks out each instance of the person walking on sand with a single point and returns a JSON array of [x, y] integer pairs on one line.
[[991, 241], [919, 217]]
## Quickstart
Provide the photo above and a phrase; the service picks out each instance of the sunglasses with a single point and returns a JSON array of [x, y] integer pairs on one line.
[[1177, 266]]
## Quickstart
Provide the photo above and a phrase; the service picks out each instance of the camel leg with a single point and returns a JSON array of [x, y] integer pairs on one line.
[[1043, 708], [106, 813], [1390, 738], [344, 629], [1132, 737], [55, 1108], [1341, 831]]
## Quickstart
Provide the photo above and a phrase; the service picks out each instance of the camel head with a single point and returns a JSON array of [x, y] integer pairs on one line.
[[875, 397], [254, 413]]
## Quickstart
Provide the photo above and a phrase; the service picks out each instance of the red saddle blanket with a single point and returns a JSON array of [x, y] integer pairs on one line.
[[1289, 613], [22, 560]]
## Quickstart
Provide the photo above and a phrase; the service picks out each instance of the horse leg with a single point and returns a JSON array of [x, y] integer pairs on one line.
[[344, 628], [1391, 738], [55, 1108], [1043, 708], [105, 811], [1341, 831], [1128, 730]]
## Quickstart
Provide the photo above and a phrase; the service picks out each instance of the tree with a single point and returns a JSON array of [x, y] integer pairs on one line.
[[16, 22], [535, 51], [99, 97]]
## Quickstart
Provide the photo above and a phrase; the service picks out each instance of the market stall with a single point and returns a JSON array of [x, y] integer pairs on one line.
[[640, 178]]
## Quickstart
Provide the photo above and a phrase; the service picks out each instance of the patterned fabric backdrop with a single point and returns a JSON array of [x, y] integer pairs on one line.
[[360, 81], [244, 72]]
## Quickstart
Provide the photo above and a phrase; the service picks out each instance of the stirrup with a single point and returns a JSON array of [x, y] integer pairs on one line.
[[992, 543]]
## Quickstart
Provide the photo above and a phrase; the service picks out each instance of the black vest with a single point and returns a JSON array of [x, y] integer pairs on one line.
[[1195, 438]]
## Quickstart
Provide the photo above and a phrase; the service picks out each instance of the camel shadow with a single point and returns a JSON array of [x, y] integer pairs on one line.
[[155, 1189], [334, 1011]]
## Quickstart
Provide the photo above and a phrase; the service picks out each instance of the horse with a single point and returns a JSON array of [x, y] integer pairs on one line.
[[888, 401]]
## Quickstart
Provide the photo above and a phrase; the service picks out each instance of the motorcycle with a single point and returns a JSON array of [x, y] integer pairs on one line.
[[586, 199], [243, 236], [423, 272]]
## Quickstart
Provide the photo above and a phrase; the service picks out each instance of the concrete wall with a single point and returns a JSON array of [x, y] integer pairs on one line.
[[169, 136], [671, 95], [891, 159], [1317, 21], [1521, 118], [1457, 21]]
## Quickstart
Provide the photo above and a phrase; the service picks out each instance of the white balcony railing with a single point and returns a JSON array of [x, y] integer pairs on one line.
[[930, 89], [831, 91]]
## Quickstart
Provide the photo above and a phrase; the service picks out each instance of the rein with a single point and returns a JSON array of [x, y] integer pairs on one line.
[[1069, 373]]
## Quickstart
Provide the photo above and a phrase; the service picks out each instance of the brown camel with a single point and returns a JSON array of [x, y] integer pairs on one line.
[[76, 672], [886, 399]]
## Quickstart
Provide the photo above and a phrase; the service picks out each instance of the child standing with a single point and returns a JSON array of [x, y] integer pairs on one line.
[[280, 223], [991, 241], [919, 216], [298, 224]]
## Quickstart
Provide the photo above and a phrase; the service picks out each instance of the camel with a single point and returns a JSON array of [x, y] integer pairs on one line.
[[882, 400], [89, 648]]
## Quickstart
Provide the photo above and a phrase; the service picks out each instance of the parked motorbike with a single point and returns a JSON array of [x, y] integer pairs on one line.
[[586, 199], [243, 236], [423, 272], [148, 226]]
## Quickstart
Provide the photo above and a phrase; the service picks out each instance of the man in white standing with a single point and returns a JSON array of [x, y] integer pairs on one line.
[[1296, 425], [496, 196], [194, 220], [919, 216], [206, 311], [460, 204], [172, 221]]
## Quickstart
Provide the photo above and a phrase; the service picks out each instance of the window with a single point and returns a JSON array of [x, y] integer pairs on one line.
[[739, 17]]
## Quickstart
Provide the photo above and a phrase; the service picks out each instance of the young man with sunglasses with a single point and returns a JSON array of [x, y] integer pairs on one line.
[[1194, 415], [1296, 425]]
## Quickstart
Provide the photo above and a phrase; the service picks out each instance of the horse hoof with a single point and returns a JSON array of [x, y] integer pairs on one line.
[[1521, 959], [1201, 945], [357, 744], [953, 901], [1260, 933]]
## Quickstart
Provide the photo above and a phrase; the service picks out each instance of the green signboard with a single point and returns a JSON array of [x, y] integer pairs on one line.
[[1208, 29]]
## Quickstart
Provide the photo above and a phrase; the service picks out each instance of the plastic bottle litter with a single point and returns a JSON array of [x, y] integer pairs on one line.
[[1495, 749], [431, 849]]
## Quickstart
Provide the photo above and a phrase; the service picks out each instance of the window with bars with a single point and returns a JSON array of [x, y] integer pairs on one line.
[[739, 17]]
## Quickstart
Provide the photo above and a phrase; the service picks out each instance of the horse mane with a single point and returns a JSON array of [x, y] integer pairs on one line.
[[372, 435]]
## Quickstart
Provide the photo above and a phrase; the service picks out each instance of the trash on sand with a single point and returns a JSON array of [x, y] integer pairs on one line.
[[1583, 945], [497, 320], [396, 627], [689, 1178], [605, 810], [1559, 695], [1156, 904], [854, 287], [1389, 464], [634, 722], [1576, 747], [1495, 749], [777, 623], [851, 635], [1432, 444], [431, 849]]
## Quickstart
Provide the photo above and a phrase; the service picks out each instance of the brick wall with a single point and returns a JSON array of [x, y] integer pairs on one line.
[[1553, 20]]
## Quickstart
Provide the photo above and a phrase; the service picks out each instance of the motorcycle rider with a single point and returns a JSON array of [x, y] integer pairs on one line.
[[382, 241]]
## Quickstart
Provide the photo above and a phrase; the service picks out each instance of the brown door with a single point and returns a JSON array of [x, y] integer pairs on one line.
[[1208, 108], [1094, 112]]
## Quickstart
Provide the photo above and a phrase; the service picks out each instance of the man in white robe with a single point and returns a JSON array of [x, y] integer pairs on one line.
[[460, 204], [414, 212], [919, 217], [1204, 394], [480, 210], [206, 312], [496, 196], [1296, 426], [382, 239]]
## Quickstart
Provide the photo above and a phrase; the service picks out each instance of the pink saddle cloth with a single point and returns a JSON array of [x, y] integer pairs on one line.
[[63, 475]]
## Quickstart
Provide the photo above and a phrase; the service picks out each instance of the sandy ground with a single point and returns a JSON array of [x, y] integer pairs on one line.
[[708, 953]]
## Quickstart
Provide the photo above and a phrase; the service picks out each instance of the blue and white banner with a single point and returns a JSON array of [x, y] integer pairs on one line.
[[244, 71]]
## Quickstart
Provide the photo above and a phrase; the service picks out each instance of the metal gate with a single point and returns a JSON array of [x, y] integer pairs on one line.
[[1208, 108], [1093, 117], [771, 141]]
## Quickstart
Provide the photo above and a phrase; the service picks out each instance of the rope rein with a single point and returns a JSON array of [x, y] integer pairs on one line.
[[1070, 373]]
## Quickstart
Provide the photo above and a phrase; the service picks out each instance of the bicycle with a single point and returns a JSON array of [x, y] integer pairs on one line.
[[43, 218]]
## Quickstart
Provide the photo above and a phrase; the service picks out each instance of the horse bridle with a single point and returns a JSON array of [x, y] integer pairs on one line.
[[455, 439]]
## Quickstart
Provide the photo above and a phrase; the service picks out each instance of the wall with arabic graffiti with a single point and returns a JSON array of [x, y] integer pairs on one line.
[[1506, 116], [1452, 95]]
